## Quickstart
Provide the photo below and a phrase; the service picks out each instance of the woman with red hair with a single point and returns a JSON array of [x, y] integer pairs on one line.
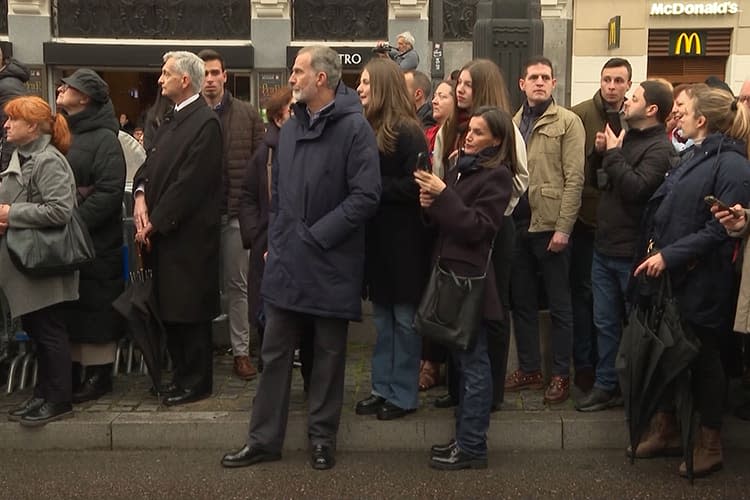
[[38, 190]]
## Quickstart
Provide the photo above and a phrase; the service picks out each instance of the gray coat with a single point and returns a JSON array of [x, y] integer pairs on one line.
[[53, 199]]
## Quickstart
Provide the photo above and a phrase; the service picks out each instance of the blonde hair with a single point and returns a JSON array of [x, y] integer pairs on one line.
[[722, 112]]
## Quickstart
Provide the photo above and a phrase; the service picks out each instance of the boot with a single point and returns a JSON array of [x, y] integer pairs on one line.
[[76, 373], [661, 440], [707, 456], [98, 382]]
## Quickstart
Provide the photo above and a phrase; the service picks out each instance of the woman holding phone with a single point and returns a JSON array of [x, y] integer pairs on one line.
[[397, 243], [468, 208], [697, 252]]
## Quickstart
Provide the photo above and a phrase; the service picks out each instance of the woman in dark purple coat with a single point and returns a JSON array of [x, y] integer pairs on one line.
[[468, 210]]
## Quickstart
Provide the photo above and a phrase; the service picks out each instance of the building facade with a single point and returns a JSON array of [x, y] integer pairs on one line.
[[683, 42], [124, 39]]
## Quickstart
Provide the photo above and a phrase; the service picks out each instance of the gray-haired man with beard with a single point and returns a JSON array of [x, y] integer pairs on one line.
[[325, 186]]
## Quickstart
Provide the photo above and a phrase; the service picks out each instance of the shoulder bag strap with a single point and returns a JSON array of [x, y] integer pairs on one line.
[[269, 168]]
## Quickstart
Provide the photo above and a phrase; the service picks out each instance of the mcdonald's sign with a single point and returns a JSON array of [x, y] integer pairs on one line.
[[687, 43], [613, 33]]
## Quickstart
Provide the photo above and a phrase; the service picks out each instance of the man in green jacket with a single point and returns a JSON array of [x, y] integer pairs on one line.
[[545, 217], [606, 105]]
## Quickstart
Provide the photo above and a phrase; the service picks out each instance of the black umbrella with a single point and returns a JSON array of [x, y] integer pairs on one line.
[[637, 362], [138, 305], [655, 354]]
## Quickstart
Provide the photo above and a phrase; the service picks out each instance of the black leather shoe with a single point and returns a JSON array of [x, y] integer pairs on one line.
[[458, 460], [248, 455], [445, 401], [369, 406], [389, 411], [166, 390], [443, 450], [322, 457], [27, 406], [186, 396], [98, 383], [48, 412]]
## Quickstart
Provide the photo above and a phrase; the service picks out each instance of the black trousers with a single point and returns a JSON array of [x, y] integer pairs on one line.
[[189, 346], [46, 327], [708, 377]]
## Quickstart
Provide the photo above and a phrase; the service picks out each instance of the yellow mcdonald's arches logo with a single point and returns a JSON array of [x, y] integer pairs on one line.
[[686, 42], [613, 33]]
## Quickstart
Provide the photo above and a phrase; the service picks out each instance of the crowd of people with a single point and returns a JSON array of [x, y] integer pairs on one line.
[[360, 193]]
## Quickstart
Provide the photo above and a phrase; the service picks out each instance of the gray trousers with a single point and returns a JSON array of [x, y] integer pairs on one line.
[[270, 409], [235, 263]]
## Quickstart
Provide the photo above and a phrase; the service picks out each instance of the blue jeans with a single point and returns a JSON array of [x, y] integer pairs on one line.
[[396, 356], [474, 396], [581, 256], [609, 280]]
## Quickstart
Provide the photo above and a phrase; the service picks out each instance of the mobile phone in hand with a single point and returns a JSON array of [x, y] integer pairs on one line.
[[423, 162], [613, 120], [712, 200]]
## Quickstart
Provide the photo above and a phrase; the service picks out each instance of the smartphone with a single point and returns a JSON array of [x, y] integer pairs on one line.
[[423, 162], [613, 120], [712, 200]]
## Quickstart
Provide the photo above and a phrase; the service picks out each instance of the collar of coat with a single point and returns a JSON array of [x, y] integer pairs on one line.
[[31, 149], [602, 105]]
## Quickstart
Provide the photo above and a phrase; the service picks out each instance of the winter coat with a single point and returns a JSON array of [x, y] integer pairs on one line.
[[12, 79], [182, 180], [51, 203], [695, 247], [406, 60], [325, 186], [593, 115], [398, 243], [554, 153], [243, 132], [742, 316], [469, 213], [253, 216], [98, 164], [635, 171], [424, 114]]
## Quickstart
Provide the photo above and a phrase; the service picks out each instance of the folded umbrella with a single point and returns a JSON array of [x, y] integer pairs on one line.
[[137, 304]]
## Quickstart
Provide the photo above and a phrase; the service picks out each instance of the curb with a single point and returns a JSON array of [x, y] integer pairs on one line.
[[513, 431]]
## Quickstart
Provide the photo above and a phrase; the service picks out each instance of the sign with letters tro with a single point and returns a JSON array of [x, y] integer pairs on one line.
[[613, 33]]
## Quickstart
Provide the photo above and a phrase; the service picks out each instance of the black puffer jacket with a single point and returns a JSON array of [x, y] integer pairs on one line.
[[99, 167]]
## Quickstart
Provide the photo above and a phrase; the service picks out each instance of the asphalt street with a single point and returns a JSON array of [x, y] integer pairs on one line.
[[197, 474]]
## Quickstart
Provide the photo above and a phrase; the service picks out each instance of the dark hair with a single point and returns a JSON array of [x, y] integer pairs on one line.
[[454, 75], [658, 94], [501, 127], [717, 83], [277, 102], [421, 81], [679, 89], [619, 62], [537, 60], [211, 55]]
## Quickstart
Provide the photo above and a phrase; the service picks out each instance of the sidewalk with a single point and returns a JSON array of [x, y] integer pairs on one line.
[[130, 418]]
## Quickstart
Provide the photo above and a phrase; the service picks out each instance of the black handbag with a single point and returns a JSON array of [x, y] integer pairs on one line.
[[50, 251], [451, 308]]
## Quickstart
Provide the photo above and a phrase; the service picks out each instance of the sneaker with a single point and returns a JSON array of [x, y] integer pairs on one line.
[[558, 390], [457, 459], [599, 399], [521, 380]]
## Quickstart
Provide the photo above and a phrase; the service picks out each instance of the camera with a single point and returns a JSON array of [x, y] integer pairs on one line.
[[382, 49]]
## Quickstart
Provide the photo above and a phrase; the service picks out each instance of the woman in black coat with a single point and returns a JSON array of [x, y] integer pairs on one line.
[[397, 245], [468, 211], [98, 163], [697, 253], [253, 208]]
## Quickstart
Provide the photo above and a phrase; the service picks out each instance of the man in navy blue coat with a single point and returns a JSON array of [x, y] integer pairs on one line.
[[325, 186]]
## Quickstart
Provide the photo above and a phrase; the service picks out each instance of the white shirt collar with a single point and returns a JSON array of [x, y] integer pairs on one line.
[[186, 102]]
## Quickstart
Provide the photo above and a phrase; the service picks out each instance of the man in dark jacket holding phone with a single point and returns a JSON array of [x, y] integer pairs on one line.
[[632, 166]]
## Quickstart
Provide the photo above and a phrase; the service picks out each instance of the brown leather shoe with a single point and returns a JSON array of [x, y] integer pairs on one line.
[[243, 368], [521, 380], [558, 390]]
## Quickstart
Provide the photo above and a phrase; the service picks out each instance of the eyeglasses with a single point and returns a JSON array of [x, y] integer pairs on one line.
[[63, 87]]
